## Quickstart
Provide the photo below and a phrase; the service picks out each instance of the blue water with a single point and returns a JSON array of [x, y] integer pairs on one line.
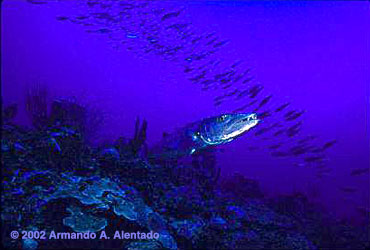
[[175, 63]]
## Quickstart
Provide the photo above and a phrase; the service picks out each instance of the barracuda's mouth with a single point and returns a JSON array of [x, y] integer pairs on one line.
[[225, 128], [240, 126], [252, 117]]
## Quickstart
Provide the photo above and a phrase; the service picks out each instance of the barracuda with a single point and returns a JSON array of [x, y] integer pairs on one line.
[[205, 133]]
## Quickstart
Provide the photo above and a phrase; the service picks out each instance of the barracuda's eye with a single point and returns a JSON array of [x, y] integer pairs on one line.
[[252, 117]]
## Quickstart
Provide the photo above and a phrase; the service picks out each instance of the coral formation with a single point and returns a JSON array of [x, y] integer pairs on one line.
[[54, 181]]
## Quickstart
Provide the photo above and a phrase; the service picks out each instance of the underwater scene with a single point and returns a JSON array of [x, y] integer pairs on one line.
[[185, 124]]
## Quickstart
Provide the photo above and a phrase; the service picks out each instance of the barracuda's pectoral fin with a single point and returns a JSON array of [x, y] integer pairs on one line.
[[208, 149]]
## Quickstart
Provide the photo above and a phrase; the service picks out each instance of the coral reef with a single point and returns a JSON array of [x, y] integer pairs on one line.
[[36, 105], [139, 137], [54, 181]]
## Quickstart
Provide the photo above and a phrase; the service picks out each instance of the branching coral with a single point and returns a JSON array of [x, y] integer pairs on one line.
[[36, 105], [138, 142]]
